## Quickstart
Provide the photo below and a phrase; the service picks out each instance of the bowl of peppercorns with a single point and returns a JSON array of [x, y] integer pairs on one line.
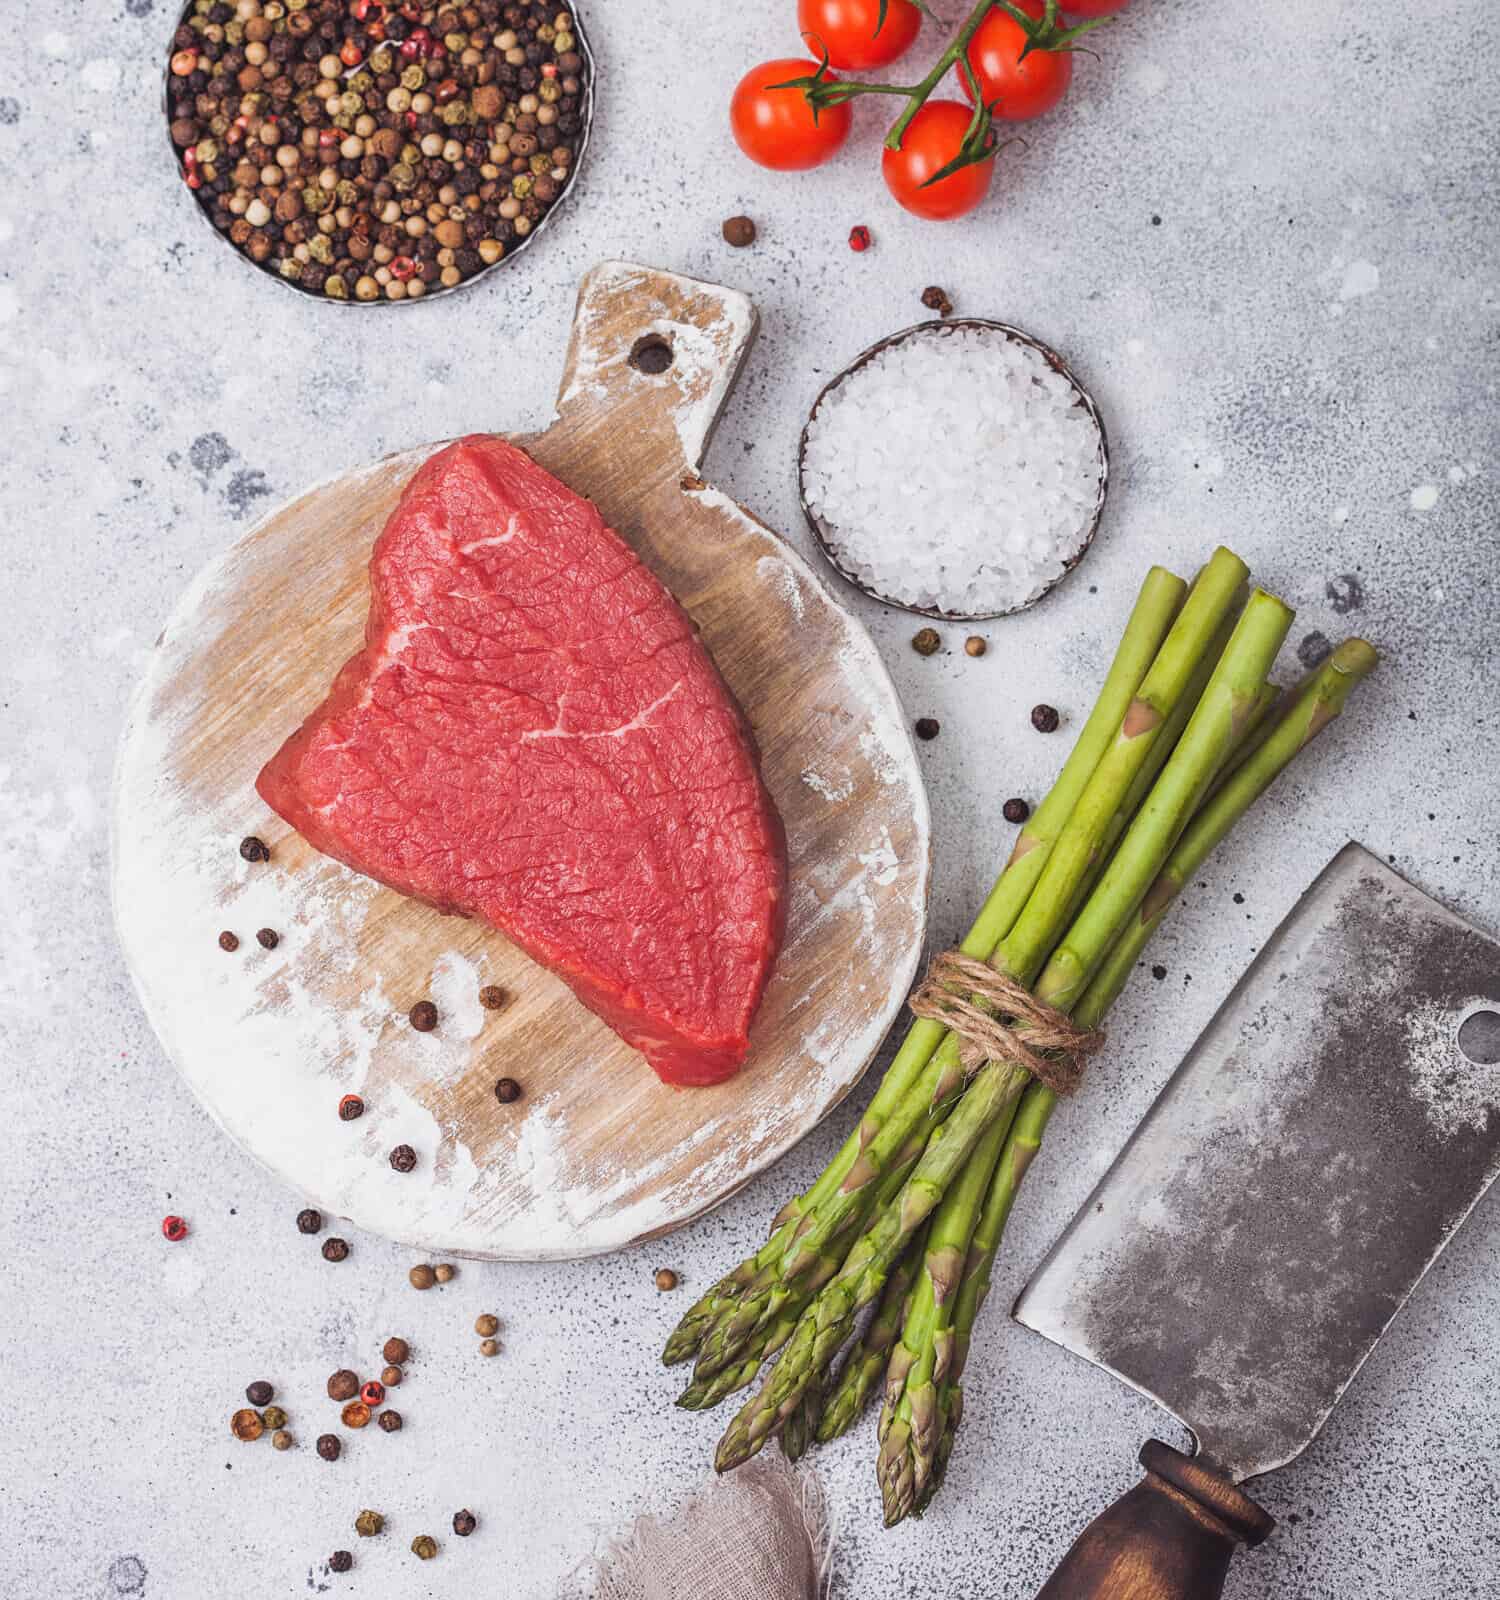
[[371, 152]]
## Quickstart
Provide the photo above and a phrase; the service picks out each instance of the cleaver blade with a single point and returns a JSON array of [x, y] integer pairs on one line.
[[1322, 1141]]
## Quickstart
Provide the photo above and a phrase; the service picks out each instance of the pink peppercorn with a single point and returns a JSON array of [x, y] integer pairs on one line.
[[859, 238], [174, 1229]]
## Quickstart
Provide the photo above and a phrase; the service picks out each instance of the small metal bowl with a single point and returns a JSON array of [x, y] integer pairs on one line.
[[438, 293], [940, 329]]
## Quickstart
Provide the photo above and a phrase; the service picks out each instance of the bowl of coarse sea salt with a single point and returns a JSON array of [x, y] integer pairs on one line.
[[957, 469]]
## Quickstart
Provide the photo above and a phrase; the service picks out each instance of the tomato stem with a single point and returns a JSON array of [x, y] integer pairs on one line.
[[821, 90], [1042, 33], [920, 93]]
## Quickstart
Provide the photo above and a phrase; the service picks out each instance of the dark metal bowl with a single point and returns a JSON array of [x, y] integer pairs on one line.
[[439, 293], [940, 329]]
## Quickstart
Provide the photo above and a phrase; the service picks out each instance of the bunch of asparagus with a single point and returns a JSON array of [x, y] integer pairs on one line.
[[908, 1217]]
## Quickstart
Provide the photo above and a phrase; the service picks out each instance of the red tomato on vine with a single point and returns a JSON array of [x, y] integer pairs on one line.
[[853, 34], [776, 127], [1015, 83], [932, 139]]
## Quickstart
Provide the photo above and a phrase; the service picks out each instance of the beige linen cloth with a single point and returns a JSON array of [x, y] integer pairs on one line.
[[760, 1533]]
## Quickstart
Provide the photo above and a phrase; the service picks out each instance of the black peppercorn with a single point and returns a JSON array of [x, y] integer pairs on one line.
[[928, 727], [464, 1523], [229, 941], [260, 1393], [403, 1158], [1015, 810], [310, 1221], [739, 231], [390, 1421], [926, 641], [335, 1249], [1045, 719], [423, 1016], [507, 1091], [330, 1446], [340, 1560], [267, 938], [935, 300]]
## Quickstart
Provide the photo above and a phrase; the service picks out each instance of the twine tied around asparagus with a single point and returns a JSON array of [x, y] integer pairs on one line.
[[1011, 1025]]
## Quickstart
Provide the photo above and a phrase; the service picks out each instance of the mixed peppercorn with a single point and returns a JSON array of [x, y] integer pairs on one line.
[[376, 149]]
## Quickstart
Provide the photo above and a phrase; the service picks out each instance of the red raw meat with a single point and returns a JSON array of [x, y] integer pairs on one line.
[[534, 736]]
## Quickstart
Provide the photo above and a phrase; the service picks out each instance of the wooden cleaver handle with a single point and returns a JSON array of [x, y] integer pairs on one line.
[[1169, 1538]]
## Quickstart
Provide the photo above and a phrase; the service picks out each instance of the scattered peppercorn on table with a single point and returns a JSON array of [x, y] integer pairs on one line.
[[1287, 329]]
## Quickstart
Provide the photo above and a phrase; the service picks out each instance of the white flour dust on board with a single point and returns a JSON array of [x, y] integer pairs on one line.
[[780, 577], [831, 789]]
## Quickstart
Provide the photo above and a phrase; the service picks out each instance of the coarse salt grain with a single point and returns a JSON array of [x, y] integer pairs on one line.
[[955, 470]]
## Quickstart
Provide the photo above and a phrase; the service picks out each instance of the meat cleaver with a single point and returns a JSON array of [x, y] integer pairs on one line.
[[1321, 1143]]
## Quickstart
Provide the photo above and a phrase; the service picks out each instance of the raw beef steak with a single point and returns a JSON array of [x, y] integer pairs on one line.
[[534, 736]]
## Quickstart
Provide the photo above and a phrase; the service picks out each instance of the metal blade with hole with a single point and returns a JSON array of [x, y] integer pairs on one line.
[[1324, 1139]]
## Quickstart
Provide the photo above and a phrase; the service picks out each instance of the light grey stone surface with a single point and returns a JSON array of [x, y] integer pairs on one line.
[[1265, 235]]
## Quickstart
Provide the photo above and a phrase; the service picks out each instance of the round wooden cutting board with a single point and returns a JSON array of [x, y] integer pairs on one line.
[[598, 1153]]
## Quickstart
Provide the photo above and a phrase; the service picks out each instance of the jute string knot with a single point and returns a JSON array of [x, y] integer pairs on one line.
[[1010, 1025]]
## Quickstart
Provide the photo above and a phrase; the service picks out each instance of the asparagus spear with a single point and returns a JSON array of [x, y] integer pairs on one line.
[[1022, 1143], [912, 1422], [865, 1364], [1156, 607], [1262, 758], [801, 1427]]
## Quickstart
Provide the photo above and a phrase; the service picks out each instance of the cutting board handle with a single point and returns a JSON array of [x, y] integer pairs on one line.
[[1169, 1538], [651, 360]]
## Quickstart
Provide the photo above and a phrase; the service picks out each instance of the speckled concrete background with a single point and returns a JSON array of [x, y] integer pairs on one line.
[[1265, 233]]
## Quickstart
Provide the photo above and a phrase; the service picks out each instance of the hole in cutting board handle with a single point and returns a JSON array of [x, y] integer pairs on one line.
[[651, 354], [1479, 1038]]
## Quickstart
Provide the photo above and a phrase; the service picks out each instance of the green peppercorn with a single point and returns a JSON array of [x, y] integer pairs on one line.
[[273, 1417], [424, 1547], [368, 1523], [412, 77], [520, 186]]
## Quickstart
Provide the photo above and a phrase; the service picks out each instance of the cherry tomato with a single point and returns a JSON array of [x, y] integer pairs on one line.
[[775, 127], [1093, 8], [931, 141], [852, 33], [1014, 87]]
